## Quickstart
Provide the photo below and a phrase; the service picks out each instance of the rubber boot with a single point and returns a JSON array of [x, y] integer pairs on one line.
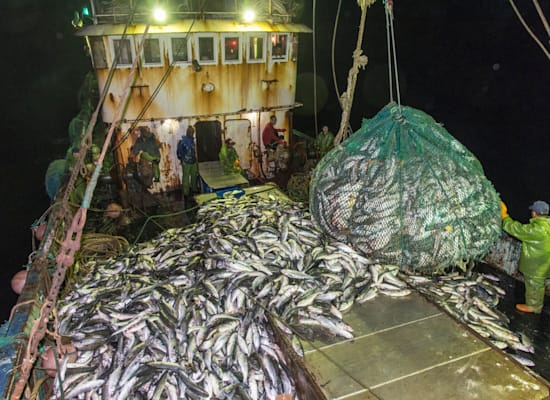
[[534, 295]]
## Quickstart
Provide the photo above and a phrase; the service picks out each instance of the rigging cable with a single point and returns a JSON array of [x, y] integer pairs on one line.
[[388, 44], [334, 30], [392, 54], [157, 88], [315, 68], [531, 33], [359, 61], [84, 144], [38, 326], [542, 16], [65, 257]]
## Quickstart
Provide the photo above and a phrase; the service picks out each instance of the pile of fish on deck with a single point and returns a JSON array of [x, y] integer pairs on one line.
[[185, 315], [474, 301]]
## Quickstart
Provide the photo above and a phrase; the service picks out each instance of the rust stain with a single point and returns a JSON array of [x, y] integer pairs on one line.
[[238, 87]]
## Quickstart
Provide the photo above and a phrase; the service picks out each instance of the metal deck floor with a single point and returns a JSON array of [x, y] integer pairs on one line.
[[406, 348]]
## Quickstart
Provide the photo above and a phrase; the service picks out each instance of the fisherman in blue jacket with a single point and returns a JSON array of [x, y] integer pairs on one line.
[[534, 261], [186, 154]]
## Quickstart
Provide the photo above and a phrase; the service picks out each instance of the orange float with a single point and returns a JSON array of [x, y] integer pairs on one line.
[[18, 281], [48, 362], [39, 231], [48, 358], [113, 211]]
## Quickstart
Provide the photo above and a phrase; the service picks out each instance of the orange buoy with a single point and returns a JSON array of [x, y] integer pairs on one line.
[[18, 281], [113, 211], [48, 362], [48, 358]]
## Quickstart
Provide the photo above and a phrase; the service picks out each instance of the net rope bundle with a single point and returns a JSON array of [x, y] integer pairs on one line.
[[404, 191]]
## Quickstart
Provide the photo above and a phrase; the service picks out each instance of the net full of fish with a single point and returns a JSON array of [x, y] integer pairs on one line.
[[474, 301], [184, 315], [404, 191]]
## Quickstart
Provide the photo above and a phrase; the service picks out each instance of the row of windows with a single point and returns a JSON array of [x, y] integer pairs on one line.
[[180, 49]]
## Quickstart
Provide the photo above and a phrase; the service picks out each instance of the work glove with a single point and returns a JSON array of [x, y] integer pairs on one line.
[[503, 210]]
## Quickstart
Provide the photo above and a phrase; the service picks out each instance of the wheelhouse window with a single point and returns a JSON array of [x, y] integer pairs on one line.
[[180, 50], [255, 48], [206, 48], [98, 53], [152, 52], [231, 48], [279, 46], [122, 50]]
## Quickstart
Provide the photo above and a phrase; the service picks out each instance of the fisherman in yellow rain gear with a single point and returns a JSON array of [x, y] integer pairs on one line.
[[534, 261], [324, 142], [229, 158]]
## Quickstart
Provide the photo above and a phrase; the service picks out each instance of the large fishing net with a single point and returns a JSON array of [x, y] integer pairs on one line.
[[404, 191]]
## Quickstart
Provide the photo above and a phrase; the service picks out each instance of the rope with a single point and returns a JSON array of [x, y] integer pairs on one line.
[[359, 61], [531, 33], [103, 246], [542, 17], [63, 211], [65, 258]]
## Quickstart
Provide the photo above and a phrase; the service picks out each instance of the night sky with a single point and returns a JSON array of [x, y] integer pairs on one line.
[[470, 65]]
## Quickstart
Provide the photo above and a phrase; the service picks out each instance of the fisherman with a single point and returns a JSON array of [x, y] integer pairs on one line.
[[186, 154], [324, 142], [229, 158], [147, 148], [269, 134], [534, 262]]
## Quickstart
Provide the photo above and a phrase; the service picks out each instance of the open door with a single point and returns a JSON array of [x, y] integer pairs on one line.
[[209, 140]]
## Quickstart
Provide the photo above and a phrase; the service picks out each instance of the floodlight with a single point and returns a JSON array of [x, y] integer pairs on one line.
[[249, 15], [159, 14]]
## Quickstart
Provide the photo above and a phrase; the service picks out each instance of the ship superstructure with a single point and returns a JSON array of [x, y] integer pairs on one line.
[[204, 66]]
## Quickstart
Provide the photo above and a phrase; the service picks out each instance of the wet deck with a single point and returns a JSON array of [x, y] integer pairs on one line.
[[406, 348]]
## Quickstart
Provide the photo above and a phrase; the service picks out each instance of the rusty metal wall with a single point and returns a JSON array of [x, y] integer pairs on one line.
[[169, 131], [247, 91], [246, 86]]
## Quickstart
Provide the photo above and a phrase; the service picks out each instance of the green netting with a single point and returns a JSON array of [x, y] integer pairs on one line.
[[404, 191], [77, 127], [88, 94], [54, 175]]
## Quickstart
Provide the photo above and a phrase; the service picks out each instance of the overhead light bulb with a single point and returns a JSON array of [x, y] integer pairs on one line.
[[159, 14], [249, 15]]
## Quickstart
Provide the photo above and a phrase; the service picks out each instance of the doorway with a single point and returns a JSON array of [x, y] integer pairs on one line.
[[209, 140]]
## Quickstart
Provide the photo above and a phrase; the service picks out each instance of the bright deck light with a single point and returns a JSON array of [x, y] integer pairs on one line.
[[249, 15], [159, 14]]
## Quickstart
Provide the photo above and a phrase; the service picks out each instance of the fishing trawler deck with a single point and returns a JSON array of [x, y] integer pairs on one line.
[[269, 189], [407, 348]]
